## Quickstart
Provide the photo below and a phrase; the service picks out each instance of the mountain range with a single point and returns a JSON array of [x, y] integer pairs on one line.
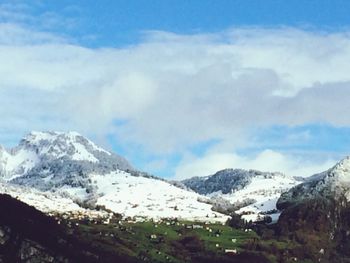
[[66, 175], [66, 172], [49, 166]]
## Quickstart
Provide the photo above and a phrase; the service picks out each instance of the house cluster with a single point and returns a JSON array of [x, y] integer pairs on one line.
[[73, 218], [194, 226]]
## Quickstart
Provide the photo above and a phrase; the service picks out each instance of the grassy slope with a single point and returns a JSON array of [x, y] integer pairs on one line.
[[130, 242], [174, 243]]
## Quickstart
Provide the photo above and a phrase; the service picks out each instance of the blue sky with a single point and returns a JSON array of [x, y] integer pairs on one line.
[[183, 88], [115, 22]]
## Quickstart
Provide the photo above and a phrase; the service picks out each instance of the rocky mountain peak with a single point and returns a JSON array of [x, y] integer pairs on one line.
[[58, 155], [333, 180], [331, 184], [341, 171], [58, 144]]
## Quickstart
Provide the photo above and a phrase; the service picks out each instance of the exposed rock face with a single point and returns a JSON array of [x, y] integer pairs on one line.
[[4, 235], [29, 251], [26, 235]]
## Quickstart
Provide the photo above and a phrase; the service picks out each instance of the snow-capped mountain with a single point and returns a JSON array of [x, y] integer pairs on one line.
[[333, 183], [318, 211], [56, 171], [54, 153], [252, 193]]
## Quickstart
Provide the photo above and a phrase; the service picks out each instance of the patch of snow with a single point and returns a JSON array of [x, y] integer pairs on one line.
[[82, 154], [264, 193], [17, 164], [151, 198], [334, 183], [47, 202]]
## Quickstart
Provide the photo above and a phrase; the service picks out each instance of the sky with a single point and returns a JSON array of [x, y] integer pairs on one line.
[[182, 88]]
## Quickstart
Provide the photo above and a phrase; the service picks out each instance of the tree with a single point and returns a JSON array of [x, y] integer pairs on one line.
[[235, 221]]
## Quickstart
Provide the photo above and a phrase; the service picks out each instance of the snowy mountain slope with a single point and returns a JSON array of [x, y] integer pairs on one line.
[[318, 211], [122, 193], [251, 192], [16, 162], [47, 202], [63, 171], [333, 183], [145, 197], [47, 159], [265, 189]]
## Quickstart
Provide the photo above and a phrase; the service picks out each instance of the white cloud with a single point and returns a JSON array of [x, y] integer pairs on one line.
[[267, 160], [13, 35], [25, 14], [175, 91]]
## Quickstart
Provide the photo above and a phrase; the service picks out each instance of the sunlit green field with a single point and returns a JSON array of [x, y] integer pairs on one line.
[[167, 241]]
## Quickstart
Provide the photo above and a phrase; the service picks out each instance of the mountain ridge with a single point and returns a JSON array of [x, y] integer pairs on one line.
[[332, 183], [50, 148], [67, 165], [251, 193]]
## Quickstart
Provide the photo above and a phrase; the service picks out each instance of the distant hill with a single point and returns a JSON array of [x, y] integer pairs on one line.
[[252, 193]]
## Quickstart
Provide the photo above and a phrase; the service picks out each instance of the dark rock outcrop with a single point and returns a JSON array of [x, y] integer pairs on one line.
[[316, 214], [27, 235]]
